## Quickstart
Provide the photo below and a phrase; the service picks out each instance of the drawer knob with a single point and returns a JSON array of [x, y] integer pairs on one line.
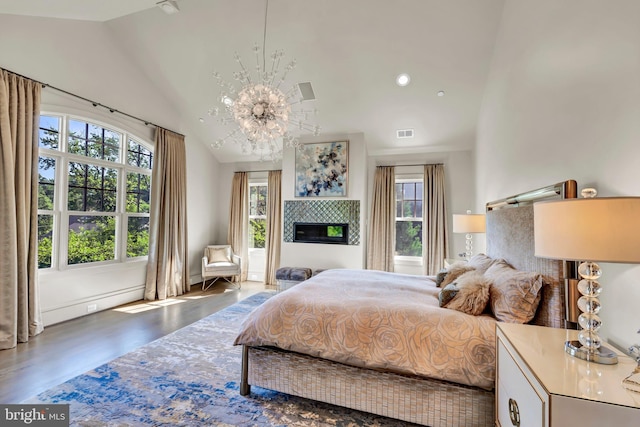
[[514, 413]]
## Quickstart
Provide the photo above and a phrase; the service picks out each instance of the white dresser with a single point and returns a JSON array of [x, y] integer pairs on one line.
[[538, 384]]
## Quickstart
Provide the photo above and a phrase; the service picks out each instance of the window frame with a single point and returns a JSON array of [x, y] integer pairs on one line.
[[403, 178], [61, 212]]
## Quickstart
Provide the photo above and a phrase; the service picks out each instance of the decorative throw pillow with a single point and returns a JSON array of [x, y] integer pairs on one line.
[[473, 293], [514, 294], [453, 272], [482, 262], [219, 255], [446, 294]]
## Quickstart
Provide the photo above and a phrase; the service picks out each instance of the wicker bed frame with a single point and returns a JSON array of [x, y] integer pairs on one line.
[[409, 398]]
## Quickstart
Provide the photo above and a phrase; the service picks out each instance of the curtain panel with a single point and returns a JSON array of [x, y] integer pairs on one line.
[[20, 316], [237, 235], [382, 223], [436, 244], [168, 266], [274, 226]]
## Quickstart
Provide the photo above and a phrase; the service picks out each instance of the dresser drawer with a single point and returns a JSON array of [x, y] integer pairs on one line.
[[518, 404]]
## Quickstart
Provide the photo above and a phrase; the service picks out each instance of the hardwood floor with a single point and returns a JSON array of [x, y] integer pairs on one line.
[[71, 348]]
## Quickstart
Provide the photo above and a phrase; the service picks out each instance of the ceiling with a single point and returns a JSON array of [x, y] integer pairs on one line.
[[350, 50]]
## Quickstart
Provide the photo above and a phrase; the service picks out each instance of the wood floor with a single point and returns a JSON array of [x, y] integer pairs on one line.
[[68, 349]]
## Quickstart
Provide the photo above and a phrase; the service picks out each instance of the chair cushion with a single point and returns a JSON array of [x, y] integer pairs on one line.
[[223, 265], [219, 254]]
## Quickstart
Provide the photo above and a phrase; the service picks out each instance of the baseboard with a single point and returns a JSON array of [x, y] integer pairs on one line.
[[89, 306]]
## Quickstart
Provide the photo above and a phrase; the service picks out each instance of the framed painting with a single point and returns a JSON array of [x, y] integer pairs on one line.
[[321, 169]]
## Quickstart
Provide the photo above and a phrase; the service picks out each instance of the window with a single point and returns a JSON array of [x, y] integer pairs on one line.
[[257, 215], [409, 195], [94, 192]]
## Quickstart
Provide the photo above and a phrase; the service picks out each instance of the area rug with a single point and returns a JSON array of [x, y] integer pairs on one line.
[[191, 378]]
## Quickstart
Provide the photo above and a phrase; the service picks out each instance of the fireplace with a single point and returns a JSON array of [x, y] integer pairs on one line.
[[314, 232]]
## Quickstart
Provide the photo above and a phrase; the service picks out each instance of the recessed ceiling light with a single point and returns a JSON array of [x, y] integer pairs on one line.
[[201, 120], [168, 6], [403, 79], [440, 93]]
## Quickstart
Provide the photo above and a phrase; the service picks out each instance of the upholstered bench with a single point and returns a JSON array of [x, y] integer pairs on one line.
[[289, 276]]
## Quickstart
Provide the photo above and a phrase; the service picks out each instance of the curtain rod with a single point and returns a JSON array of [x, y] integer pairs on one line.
[[94, 103], [264, 170], [422, 164]]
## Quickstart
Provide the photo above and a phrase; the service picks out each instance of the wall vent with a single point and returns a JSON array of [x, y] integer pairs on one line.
[[404, 133]]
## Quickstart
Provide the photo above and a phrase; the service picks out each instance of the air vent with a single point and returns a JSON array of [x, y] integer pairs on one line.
[[307, 91], [404, 133]]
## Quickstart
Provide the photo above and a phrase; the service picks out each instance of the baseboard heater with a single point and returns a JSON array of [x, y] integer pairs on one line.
[[308, 232]]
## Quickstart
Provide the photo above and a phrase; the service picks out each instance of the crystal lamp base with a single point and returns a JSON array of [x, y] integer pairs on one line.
[[601, 355]]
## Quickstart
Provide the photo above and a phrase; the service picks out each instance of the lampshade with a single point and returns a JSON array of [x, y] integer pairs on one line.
[[605, 229], [469, 223]]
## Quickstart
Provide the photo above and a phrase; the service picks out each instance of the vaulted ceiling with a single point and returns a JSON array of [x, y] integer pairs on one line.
[[350, 50]]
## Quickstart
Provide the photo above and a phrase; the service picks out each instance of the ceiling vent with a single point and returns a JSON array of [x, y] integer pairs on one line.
[[307, 91], [404, 133]]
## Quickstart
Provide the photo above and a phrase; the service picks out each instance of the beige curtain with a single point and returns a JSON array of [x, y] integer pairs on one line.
[[434, 221], [20, 316], [168, 266], [382, 223], [238, 235], [274, 227]]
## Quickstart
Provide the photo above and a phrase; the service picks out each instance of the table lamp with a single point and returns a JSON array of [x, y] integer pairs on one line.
[[605, 229], [469, 223]]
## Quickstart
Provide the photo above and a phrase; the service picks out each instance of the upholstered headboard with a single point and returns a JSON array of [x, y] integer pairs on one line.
[[510, 236]]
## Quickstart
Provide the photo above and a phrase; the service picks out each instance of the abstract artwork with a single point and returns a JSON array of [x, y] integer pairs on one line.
[[321, 169]]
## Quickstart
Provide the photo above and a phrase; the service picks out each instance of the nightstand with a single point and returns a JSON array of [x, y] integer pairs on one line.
[[538, 384]]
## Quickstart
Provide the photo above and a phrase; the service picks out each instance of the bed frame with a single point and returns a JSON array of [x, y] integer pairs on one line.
[[410, 398]]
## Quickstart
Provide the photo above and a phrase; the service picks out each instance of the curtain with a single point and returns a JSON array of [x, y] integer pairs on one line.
[[382, 224], [274, 227], [168, 266], [20, 316], [238, 235], [434, 220]]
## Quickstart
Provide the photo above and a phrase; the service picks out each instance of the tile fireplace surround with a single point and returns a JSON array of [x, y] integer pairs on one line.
[[323, 211]]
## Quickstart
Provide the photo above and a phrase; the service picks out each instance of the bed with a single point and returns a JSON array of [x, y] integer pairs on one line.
[[446, 385]]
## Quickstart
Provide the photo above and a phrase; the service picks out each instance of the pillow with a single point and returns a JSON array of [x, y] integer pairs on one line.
[[482, 262], [514, 294], [446, 294], [473, 293], [452, 273], [219, 254]]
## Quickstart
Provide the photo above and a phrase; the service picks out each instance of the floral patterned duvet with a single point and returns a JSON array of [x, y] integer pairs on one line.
[[377, 320]]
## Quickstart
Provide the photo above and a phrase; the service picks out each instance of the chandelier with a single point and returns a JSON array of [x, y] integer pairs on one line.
[[266, 116]]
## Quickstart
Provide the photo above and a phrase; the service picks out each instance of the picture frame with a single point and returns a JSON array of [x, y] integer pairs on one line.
[[321, 169]]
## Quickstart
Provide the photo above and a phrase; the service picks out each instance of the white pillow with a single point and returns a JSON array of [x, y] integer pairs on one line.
[[219, 255]]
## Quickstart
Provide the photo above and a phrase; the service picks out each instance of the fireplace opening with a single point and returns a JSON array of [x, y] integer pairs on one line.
[[307, 232]]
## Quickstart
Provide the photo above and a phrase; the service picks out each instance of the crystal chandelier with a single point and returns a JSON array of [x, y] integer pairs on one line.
[[267, 117]]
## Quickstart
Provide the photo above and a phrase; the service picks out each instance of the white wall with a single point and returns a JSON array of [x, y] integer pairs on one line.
[[563, 102], [81, 57], [306, 254], [459, 183]]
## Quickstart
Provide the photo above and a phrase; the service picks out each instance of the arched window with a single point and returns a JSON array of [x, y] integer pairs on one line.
[[93, 193]]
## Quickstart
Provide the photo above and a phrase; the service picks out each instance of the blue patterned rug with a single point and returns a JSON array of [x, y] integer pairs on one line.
[[191, 378]]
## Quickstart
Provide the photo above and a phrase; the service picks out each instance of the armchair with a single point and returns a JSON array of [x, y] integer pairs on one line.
[[219, 261]]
